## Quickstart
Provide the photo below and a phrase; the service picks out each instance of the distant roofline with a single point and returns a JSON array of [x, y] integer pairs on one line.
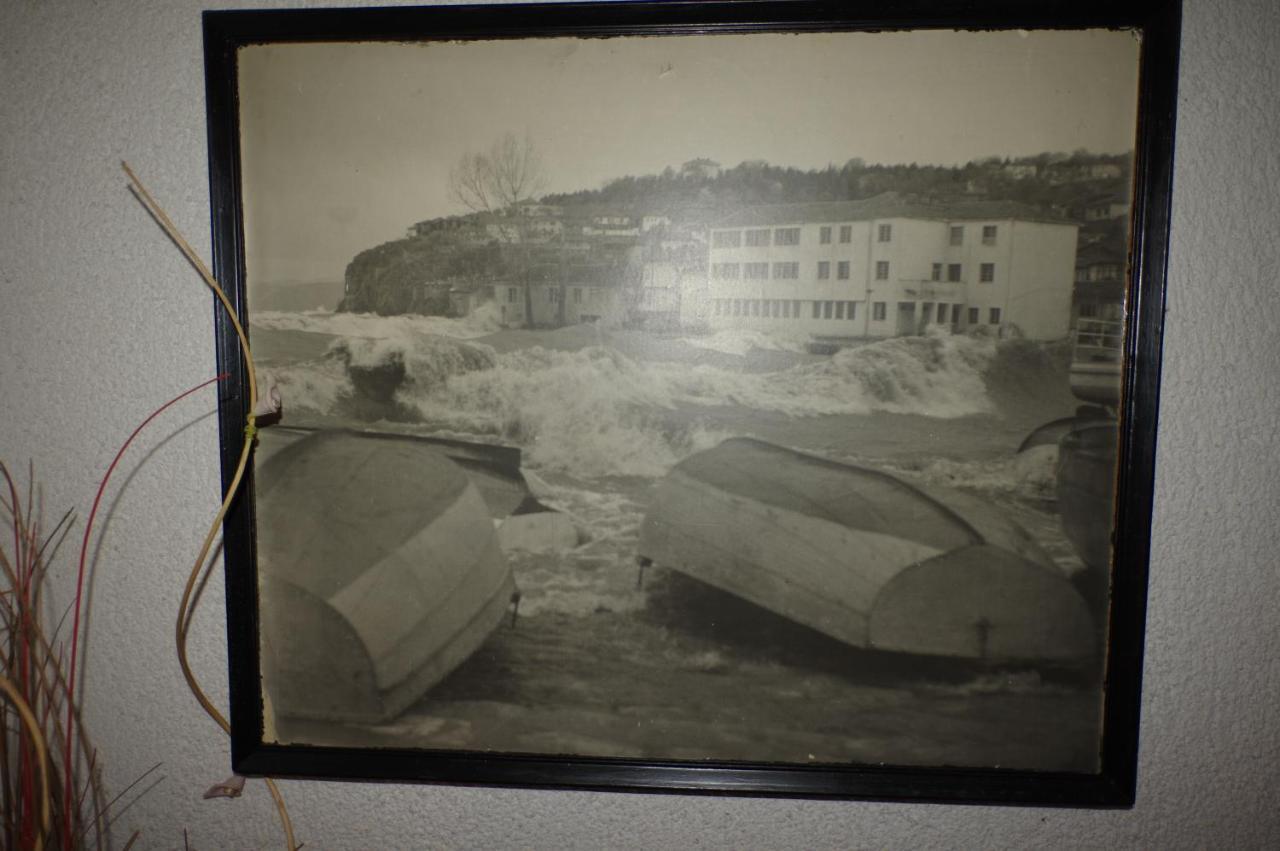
[[888, 205]]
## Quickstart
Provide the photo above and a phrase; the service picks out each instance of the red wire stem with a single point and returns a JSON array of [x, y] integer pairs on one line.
[[75, 620]]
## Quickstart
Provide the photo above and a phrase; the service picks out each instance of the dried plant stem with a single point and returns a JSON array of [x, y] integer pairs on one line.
[[171, 230], [186, 609], [38, 672], [84, 558], [36, 738]]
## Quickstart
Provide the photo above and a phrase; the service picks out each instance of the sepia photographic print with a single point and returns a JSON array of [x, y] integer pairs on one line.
[[727, 398]]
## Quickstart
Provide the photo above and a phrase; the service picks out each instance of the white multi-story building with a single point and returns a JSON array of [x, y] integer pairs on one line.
[[889, 266]]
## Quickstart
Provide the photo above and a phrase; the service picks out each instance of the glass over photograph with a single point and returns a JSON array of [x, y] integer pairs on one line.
[[711, 397]]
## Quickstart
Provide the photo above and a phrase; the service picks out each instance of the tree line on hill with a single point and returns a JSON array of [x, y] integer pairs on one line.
[[414, 274], [701, 183]]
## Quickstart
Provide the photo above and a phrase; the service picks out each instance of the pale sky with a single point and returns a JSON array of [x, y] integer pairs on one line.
[[346, 145]]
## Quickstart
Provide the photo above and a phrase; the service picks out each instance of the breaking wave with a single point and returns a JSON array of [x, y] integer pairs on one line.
[[480, 323], [422, 363], [740, 341], [930, 376], [597, 412], [592, 412]]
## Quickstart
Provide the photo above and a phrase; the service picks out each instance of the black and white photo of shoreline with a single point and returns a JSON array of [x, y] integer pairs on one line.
[[760, 406]]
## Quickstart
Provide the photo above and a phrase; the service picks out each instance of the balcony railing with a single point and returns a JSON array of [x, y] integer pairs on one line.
[[1098, 340]]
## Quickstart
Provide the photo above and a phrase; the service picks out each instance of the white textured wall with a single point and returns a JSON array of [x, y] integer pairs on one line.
[[100, 320]]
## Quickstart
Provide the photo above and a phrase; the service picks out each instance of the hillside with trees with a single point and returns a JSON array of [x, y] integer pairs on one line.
[[490, 243], [1041, 181]]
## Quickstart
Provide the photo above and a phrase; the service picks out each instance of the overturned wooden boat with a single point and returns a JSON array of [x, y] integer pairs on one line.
[[379, 573], [1086, 488], [864, 557], [524, 523]]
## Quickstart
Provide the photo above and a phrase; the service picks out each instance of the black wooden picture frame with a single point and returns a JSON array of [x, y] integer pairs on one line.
[[1155, 22]]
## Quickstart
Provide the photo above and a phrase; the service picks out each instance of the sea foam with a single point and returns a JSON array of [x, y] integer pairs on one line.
[[596, 412], [480, 323]]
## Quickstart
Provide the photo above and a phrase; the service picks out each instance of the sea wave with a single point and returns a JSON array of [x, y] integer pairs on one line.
[[593, 412], [1030, 474], [931, 376], [480, 323], [740, 341], [596, 412]]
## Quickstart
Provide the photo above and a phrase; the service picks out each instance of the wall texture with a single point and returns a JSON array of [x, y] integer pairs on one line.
[[100, 320]]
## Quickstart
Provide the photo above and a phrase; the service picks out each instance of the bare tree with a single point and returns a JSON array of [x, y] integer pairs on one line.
[[498, 181], [508, 174]]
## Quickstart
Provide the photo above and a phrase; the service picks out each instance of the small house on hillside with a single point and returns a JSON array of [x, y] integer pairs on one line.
[[1076, 172], [1019, 171], [1100, 208]]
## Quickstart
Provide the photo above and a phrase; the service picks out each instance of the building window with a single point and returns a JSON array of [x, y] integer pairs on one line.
[[852, 308], [953, 271], [987, 273], [795, 309], [846, 233], [824, 270], [988, 234], [957, 234], [842, 270], [577, 295], [955, 314], [817, 310], [777, 310], [737, 307], [725, 271], [839, 310], [756, 271], [786, 236], [726, 239], [973, 316], [511, 294], [786, 310], [824, 235], [755, 308], [827, 308], [1088, 310], [926, 312], [758, 238], [553, 295], [882, 270], [995, 316], [786, 271], [878, 311], [936, 274], [884, 233]]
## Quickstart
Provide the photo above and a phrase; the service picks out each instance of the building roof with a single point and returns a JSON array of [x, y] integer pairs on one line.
[[1096, 253], [888, 205]]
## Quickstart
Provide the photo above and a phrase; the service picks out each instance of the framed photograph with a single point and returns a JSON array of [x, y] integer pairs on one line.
[[695, 397]]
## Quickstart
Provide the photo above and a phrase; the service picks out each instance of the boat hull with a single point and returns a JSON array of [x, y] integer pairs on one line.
[[864, 557], [380, 572], [1086, 488]]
